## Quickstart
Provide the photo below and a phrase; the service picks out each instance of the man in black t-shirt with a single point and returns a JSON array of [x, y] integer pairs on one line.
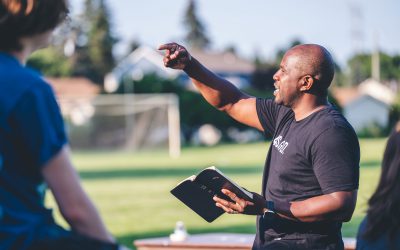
[[312, 168]]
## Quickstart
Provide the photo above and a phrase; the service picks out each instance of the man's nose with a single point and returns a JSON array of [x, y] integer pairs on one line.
[[275, 77]]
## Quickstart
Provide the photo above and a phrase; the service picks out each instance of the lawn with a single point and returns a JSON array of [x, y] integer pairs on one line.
[[131, 190]]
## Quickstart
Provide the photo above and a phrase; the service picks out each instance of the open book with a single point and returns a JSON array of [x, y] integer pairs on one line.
[[197, 192]]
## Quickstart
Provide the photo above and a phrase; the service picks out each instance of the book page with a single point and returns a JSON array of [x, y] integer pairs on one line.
[[190, 178]]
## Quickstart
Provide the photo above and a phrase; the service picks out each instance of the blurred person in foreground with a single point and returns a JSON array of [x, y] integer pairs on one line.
[[312, 168], [34, 152], [381, 227]]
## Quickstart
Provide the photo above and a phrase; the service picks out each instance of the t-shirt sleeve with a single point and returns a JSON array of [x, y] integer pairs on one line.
[[336, 158], [267, 112], [38, 125]]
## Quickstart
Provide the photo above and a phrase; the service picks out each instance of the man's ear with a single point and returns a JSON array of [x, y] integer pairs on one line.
[[306, 83]]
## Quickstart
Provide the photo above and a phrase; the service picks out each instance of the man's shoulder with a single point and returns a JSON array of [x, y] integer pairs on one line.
[[331, 118], [327, 123]]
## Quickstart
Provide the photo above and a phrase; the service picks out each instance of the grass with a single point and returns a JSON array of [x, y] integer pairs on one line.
[[131, 190]]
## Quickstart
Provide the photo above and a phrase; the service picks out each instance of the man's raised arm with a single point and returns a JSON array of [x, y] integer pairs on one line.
[[219, 92]]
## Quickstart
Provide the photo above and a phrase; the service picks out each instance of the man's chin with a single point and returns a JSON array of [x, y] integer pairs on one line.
[[278, 101]]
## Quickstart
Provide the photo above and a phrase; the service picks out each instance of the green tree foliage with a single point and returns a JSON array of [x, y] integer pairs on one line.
[[390, 67], [196, 35], [94, 57], [262, 78], [50, 62], [360, 67], [339, 79]]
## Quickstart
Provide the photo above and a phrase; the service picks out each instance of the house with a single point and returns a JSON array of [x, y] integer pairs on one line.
[[145, 60], [73, 86], [75, 96], [227, 65], [367, 105]]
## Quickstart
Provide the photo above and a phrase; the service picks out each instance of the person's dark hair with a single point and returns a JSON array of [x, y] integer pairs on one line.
[[384, 205], [24, 18]]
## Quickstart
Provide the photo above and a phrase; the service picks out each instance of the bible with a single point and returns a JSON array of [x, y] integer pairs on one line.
[[197, 192]]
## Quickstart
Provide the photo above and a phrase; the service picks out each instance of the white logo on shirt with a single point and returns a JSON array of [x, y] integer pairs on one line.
[[280, 144]]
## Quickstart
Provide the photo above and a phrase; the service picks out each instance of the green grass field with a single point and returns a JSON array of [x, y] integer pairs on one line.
[[131, 190]]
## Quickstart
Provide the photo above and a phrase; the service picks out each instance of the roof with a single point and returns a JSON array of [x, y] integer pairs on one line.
[[154, 57], [377, 90], [224, 62], [345, 95], [369, 87], [73, 86]]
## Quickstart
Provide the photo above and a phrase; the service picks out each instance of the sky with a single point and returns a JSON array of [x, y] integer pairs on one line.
[[263, 26]]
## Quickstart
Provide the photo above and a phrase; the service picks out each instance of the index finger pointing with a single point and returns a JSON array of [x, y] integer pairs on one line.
[[168, 46]]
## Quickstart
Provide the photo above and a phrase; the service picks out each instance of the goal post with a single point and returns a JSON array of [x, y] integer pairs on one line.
[[123, 121]]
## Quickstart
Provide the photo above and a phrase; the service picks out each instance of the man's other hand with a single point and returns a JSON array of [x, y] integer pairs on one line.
[[241, 206]]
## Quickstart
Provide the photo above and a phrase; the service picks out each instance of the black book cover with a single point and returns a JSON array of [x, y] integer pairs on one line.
[[197, 192]]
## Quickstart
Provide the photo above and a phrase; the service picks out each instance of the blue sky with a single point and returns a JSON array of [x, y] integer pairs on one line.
[[262, 26]]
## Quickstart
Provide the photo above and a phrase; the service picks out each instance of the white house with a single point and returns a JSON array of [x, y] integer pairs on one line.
[[368, 104], [145, 60]]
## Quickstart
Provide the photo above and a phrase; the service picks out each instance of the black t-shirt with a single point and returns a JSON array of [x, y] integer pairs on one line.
[[317, 155]]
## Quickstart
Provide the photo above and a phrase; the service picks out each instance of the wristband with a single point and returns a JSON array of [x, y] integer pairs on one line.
[[269, 214], [278, 207], [270, 206]]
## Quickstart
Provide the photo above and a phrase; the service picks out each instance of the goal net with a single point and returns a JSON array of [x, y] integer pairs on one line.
[[128, 121]]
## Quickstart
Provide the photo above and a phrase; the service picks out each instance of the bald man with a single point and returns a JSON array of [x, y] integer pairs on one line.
[[311, 172]]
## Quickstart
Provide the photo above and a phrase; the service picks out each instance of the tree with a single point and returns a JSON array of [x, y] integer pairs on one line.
[[133, 45], [231, 49], [50, 62], [93, 58], [262, 77], [360, 68], [390, 67], [196, 36]]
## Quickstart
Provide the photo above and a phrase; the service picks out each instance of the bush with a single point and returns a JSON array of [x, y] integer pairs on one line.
[[372, 130]]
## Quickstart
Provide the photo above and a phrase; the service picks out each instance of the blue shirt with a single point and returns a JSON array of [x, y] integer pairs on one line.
[[31, 133], [381, 243]]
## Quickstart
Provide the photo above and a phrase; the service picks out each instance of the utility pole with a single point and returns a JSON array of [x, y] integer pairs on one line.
[[357, 37], [375, 64]]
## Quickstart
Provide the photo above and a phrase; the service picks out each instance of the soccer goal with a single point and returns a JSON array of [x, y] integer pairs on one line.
[[128, 121]]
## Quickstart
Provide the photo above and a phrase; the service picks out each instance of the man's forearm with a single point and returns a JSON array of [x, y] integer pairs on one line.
[[338, 206], [219, 92]]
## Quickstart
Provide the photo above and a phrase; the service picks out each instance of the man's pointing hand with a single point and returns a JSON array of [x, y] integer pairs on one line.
[[176, 56]]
